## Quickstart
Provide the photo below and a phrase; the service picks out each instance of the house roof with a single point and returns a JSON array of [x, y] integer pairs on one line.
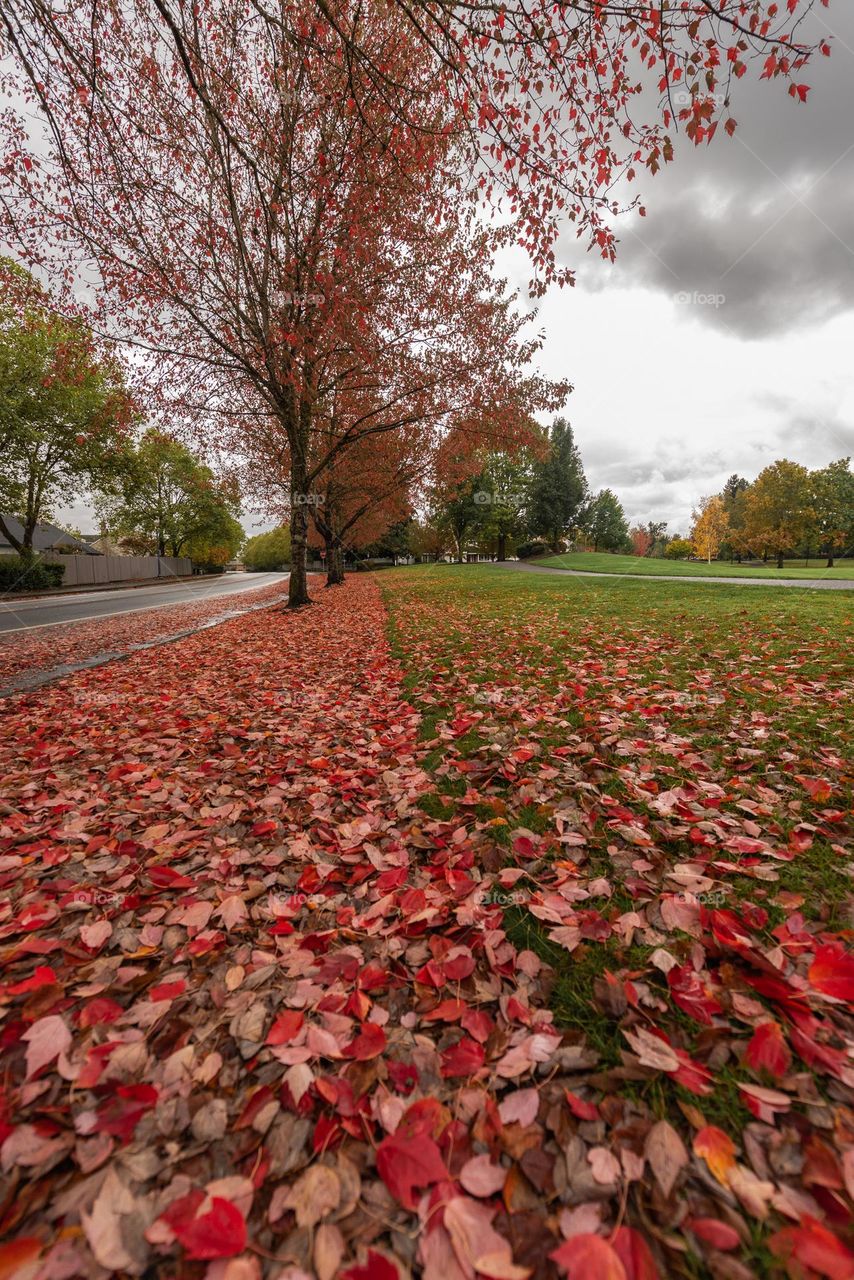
[[46, 537]]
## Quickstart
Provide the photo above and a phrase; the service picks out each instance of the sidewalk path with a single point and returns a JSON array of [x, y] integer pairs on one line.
[[812, 584]]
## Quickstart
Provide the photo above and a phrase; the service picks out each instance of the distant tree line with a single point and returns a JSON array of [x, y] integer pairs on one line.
[[787, 510], [538, 501], [535, 502]]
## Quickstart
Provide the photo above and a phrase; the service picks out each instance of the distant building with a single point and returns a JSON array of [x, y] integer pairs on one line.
[[107, 545], [46, 537]]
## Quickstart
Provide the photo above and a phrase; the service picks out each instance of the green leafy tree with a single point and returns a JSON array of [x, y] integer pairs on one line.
[[504, 500], [604, 523], [64, 410], [215, 551], [832, 502], [268, 551], [733, 487], [733, 498], [169, 499], [459, 514], [657, 533], [428, 538], [559, 486], [678, 549], [779, 508], [396, 542]]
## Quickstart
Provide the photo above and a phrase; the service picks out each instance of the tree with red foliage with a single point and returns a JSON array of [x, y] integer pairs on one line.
[[561, 101], [556, 102], [244, 228], [247, 182], [641, 540]]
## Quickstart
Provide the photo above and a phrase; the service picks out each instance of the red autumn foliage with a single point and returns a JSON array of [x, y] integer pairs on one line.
[[329, 1045]]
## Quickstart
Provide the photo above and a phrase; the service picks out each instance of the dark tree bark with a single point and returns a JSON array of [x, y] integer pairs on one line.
[[334, 562], [298, 427], [298, 583]]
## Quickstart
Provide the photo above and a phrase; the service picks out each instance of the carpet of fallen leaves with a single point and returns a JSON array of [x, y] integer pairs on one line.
[[663, 775], [290, 921], [44, 648]]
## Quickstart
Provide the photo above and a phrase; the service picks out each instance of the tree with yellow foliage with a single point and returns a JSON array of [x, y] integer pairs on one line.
[[711, 527], [779, 507]]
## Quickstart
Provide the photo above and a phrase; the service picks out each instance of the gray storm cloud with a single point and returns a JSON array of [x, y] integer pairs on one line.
[[755, 234]]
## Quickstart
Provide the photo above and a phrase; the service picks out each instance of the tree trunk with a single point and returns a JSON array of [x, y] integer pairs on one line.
[[298, 425], [502, 546], [334, 563], [298, 585], [829, 564], [779, 559]]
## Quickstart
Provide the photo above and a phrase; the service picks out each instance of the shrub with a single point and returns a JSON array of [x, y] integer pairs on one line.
[[55, 572], [527, 550], [16, 575], [678, 549], [370, 565]]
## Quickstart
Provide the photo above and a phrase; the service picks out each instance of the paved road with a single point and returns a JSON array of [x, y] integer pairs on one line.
[[51, 611], [812, 584]]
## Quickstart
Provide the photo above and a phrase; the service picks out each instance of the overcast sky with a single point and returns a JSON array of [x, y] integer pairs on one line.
[[723, 337], [675, 388]]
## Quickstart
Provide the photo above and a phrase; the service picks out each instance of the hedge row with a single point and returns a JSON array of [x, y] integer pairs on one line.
[[16, 575]]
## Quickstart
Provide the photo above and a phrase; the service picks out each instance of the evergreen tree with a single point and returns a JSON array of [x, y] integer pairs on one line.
[[559, 487]]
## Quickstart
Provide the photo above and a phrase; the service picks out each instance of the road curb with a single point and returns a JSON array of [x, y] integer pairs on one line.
[[35, 679]]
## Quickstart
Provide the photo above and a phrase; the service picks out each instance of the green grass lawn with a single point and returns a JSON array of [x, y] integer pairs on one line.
[[602, 562], [622, 744]]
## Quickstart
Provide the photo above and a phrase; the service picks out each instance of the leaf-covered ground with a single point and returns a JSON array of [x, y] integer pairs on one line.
[[519, 948], [664, 777], [43, 648]]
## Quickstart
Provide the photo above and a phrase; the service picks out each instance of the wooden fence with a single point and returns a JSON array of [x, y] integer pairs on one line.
[[86, 571]]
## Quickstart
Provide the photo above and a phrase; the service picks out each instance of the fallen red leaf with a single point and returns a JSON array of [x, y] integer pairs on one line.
[[405, 1164], [589, 1257]]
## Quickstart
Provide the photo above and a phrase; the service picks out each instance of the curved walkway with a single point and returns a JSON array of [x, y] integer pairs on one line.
[[812, 584]]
